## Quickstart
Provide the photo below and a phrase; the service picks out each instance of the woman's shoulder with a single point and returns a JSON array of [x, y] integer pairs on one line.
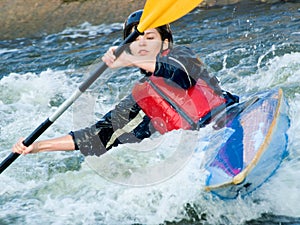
[[182, 50]]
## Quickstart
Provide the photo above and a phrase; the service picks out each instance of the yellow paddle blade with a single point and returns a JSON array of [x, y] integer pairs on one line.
[[160, 12]]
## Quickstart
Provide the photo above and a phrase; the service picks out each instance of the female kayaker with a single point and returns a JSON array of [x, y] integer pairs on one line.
[[176, 92]]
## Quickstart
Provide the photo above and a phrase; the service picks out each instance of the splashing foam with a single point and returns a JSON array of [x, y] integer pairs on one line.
[[279, 71]]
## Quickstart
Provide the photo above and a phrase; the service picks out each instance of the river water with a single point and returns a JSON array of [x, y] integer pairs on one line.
[[250, 48]]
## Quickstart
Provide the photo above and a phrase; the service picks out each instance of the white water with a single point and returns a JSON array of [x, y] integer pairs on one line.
[[55, 188]]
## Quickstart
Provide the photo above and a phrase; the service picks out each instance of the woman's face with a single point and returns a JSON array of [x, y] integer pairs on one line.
[[149, 44]]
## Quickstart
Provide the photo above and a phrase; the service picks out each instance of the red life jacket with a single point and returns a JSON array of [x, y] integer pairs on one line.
[[195, 102]]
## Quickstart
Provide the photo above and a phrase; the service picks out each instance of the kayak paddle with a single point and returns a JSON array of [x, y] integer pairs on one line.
[[156, 13]]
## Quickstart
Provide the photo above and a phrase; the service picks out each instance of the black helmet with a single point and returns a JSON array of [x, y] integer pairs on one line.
[[134, 19]]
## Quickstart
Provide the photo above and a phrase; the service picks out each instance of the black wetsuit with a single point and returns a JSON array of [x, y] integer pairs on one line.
[[181, 66]]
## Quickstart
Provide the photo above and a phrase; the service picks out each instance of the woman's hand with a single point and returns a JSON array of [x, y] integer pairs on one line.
[[112, 61], [146, 62], [20, 148]]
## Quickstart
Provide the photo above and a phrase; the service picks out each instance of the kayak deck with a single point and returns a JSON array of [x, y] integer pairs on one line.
[[254, 150]]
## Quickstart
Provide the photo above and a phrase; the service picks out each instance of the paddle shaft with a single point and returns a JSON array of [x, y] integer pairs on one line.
[[62, 108]]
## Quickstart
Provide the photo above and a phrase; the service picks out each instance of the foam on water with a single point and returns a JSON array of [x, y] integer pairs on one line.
[[282, 191], [4, 50], [56, 188]]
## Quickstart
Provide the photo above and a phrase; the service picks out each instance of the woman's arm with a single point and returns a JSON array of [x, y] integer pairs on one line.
[[64, 143], [146, 63]]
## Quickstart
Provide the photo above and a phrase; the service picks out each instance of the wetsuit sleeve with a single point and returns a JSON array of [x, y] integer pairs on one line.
[[88, 140], [94, 140]]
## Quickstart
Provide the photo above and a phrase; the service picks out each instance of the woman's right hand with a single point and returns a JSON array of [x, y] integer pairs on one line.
[[112, 61], [20, 148]]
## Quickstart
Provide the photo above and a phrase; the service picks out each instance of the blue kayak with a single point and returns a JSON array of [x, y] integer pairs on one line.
[[254, 149]]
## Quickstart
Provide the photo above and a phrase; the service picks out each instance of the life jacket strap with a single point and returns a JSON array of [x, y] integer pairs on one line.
[[174, 105]]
